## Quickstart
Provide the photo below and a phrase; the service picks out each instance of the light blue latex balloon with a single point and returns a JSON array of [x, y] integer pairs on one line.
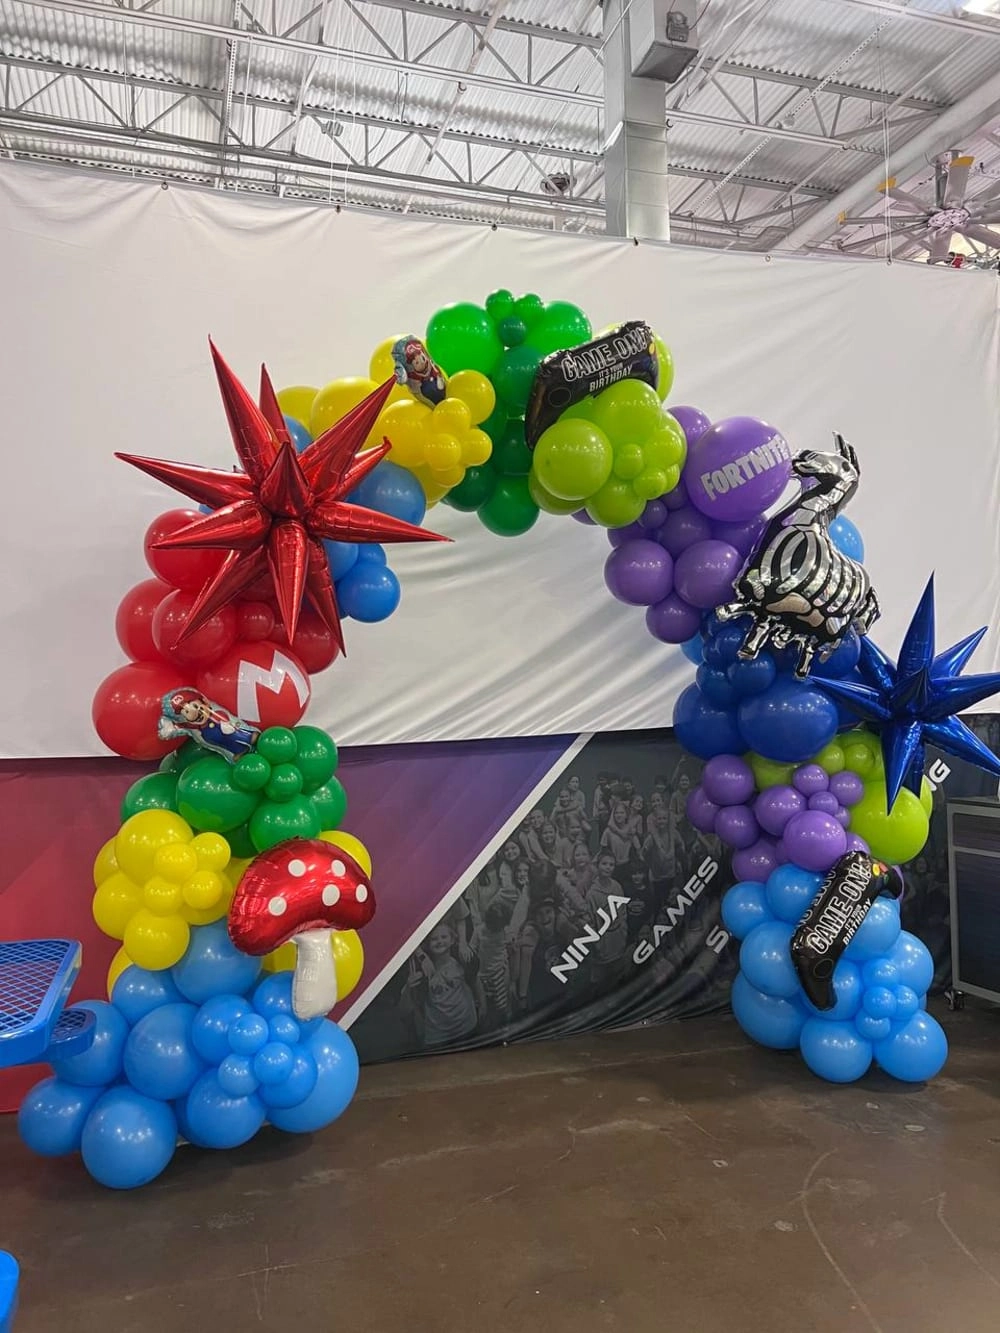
[[766, 1019], [914, 1052], [835, 1051], [212, 965], [160, 1058], [790, 891], [766, 959], [847, 988], [336, 1081], [138, 992], [101, 1062], [878, 932], [847, 538], [52, 1116], [128, 1139], [214, 1119], [743, 907]]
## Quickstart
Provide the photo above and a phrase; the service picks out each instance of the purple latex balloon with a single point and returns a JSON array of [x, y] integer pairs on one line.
[[847, 787], [755, 862], [677, 498], [691, 420], [736, 826], [653, 516], [856, 844], [737, 468], [582, 516], [684, 527], [781, 852], [673, 620], [825, 801], [810, 779], [704, 573], [701, 811], [776, 806], [619, 536], [639, 573], [843, 816], [744, 536], [814, 840], [728, 780]]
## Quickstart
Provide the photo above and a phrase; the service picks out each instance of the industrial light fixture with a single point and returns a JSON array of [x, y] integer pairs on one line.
[[990, 8]]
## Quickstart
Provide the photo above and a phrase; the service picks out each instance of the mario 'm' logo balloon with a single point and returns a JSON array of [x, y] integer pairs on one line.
[[263, 683]]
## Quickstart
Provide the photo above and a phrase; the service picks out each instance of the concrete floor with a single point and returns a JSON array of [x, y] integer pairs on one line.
[[674, 1178]]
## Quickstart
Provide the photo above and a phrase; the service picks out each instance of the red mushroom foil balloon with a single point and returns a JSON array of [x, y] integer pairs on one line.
[[301, 890]]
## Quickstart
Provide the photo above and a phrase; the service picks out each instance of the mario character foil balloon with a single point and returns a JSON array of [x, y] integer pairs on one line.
[[417, 372], [187, 713]]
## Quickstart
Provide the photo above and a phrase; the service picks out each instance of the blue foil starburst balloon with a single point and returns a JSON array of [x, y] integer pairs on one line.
[[914, 701]]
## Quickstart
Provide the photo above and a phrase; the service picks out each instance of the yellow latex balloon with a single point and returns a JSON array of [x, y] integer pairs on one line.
[[140, 837], [449, 476], [335, 400], [115, 903], [212, 851], [348, 959], [297, 402], [895, 837], [442, 452], [154, 941], [476, 448], [475, 391], [353, 846], [176, 862], [105, 863], [119, 963], [382, 367], [451, 417], [666, 360], [405, 426]]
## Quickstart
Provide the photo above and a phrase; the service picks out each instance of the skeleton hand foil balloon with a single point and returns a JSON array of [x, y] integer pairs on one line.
[[797, 587]]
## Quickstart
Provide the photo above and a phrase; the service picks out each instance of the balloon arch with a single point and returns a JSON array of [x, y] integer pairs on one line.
[[235, 890]]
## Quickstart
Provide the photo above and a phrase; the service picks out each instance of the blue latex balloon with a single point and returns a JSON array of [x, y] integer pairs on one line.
[[248, 1035], [337, 1078], [213, 965], [767, 961], [210, 1029], [372, 553], [913, 962], [752, 677], [789, 722], [880, 1002], [369, 592], [743, 907], [273, 1063], [128, 1139], [273, 999], [842, 661], [51, 1118], [847, 988], [914, 1052], [217, 1120], [835, 1051], [340, 556], [847, 538], [704, 730], [101, 1062], [300, 436], [871, 1028], [692, 649], [160, 1059], [297, 1084], [764, 1018], [723, 645], [877, 933], [880, 972], [907, 1003], [236, 1076], [714, 685], [392, 489], [137, 992], [790, 891]]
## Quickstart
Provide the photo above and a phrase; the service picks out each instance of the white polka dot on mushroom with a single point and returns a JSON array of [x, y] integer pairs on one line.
[[362, 893], [338, 869], [277, 906], [331, 894], [297, 868]]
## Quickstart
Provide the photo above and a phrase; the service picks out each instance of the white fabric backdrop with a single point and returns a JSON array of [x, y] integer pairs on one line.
[[109, 290]]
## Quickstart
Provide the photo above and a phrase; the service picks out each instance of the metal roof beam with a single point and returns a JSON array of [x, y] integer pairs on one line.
[[768, 131], [968, 26], [809, 84], [751, 182], [539, 30]]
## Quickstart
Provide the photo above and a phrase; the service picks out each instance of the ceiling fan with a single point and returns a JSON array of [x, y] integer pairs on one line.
[[932, 226]]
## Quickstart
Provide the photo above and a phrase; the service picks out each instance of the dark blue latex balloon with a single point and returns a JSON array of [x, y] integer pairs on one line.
[[848, 990], [743, 907], [369, 592], [692, 649], [217, 1120], [764, 1018], [210, 1029], [128, 1139], [789, 722], [842, 661], [915, 1051], [847, 538], [300, 436], [391, 489], [336, 1080], [766, 960], [790, 891], [52, 1116], [213, 965], [714, 685], [101, 1062], [752, 677], [138, 992], [723, 645], [160, 1059], [340, 556], [704, 730], [835, 1051]]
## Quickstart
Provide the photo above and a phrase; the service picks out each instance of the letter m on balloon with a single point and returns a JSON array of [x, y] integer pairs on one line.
[[253, 678]]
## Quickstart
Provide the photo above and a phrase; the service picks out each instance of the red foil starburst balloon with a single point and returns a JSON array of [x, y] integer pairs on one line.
[[273, 516]]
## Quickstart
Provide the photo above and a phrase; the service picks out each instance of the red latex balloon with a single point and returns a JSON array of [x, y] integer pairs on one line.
[[134, 620], [126, 709], [200, 649], [314, 644], [263, 683], [189, 568], [254, 621]]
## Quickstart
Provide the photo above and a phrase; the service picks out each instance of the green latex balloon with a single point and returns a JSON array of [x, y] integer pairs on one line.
[[251, 772], [240, 843], [510, 510], [277, 745], [895, 837], [178, 760], [207, 799], [769, 773], [831, 758], [573, 459], [615, 505], [156, 791], [473, 490], [317, 758], [284, 783], [462, 337], [529, 309], [651, 483], [862, 754], [666, 363], [926, 797], [330, 804], [628, 412], [512, 331], [273, 822], [500, 304], [561, 325], [496, 423], [629, 461], [548, 503], [511, 455], [666, 446], [513, 376]]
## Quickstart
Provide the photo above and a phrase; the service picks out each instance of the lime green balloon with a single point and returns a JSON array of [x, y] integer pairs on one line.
[[500, 304], [628, 412], [513, 376], [628, 461], [651, 482], [156, 791], [615, 505], [178, 760], [207, 798], [317, 758], [561, 325], [769, 773], [462, 337], [573, 459], [510, 510], [831, 758], [666, 446], [546, 501], [926, 797], [894, 837], [665, 360], [330, 804], [862, 754], [473, 490], [251, 772], [273, 822], [511, 455], [529, 309]]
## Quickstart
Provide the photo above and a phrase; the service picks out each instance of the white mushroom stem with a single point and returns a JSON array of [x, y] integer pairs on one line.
[[314, 983]]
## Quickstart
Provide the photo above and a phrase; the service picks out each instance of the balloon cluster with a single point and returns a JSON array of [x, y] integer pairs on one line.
[[206, 1051]]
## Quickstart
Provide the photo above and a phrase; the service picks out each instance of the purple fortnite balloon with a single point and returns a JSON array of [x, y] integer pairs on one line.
[[736, 826], [704, 573], [744, 536], [814, 840], [737, 468], [673, 620], [728, 780], [701, 811], [776, 806]]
